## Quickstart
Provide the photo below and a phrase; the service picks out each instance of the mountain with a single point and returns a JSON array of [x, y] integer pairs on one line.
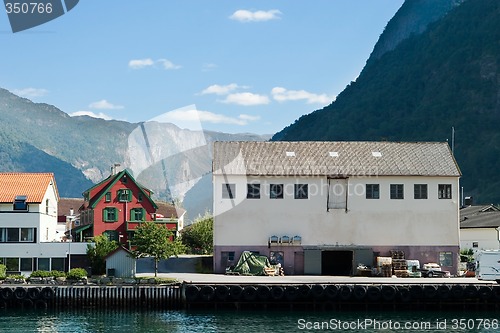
[[37, 137], [446, 76], [412, 18]]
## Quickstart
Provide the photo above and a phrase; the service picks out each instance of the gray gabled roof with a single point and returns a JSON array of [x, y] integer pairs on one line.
[[338, 158], [479, 217]]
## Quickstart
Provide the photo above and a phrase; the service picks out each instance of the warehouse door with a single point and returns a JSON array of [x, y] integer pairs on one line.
[[336, 263]]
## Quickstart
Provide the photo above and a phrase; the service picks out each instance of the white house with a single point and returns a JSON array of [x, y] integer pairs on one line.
[[28, 224], [480, 228], [325, 207]]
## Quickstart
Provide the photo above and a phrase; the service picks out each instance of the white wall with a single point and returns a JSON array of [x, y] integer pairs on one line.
[[42, 250], [487, 239], [369, 222]]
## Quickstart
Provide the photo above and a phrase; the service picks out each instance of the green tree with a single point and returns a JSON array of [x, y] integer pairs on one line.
[[199, 236], [154, 240], [96, 254]]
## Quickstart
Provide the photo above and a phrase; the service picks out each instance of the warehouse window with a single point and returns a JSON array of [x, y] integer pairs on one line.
[[397, 191], [301, 191], [372, 191], [276, 191], [228, 191], [420, 191], [444, 191], [337, 193], [253, 191]]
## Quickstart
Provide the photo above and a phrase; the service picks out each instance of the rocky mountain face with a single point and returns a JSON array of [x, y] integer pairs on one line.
[[446, 77]]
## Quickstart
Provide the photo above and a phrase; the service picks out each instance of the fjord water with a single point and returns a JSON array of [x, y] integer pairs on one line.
[[245, 321]]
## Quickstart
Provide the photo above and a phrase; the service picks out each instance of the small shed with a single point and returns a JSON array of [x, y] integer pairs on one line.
[[120, 263]]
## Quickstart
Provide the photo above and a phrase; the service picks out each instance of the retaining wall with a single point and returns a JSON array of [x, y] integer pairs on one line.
[[67, 297], [256, 296], [344, 296]]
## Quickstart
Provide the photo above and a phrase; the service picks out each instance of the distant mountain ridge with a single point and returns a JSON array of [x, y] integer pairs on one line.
[[37, 137], [446, 77]]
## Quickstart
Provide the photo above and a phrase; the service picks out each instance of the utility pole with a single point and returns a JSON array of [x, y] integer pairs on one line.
[[453, 140]]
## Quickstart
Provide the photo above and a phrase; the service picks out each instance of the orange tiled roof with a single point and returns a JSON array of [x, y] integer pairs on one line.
[[33, 185]]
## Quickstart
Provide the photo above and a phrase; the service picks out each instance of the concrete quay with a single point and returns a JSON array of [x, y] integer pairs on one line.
[[194, 278]]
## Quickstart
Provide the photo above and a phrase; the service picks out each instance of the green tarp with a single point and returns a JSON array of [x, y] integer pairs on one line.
[[251, 264]]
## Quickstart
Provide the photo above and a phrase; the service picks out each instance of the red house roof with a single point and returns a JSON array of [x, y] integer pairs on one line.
[[96, 192], [32, 185]]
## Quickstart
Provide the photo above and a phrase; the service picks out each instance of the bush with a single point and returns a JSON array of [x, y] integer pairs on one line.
[[45, 274], [57, 274], [158, 280], [76, 274], [3, 272], [41, 274]]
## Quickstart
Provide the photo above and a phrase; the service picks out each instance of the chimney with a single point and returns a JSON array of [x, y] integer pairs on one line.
[[71, 212], [114, 168], [468, 201]]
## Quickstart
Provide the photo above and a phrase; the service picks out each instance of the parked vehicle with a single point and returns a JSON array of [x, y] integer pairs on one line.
[[433, 270], [488, 265], [413, 268]]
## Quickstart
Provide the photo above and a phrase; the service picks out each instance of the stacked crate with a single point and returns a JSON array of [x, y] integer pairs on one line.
[[399, 264], [384, 266]]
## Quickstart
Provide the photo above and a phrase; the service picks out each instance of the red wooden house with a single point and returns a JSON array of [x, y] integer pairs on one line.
[[115, 207]]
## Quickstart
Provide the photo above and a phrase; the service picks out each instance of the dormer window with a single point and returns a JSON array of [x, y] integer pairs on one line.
[[20, 203]]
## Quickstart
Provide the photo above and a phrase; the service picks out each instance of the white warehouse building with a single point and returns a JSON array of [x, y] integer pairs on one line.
[[324, 207]]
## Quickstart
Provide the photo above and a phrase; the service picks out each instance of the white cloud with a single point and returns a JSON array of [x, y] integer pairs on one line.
[[281, 94], [219, 90], [104, 105], [193, 115], [256, 16], [167, 64], [148, 62], [248, 117], [91, 114], [140, 63], [30, 92], [246, 99]]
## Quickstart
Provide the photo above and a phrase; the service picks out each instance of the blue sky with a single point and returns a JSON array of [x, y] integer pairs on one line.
[[245, 66]]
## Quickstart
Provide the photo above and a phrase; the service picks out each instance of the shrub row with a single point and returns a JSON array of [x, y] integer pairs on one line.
[[45, 274]]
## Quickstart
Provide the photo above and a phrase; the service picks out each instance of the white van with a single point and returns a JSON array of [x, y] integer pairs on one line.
[[488, 265]]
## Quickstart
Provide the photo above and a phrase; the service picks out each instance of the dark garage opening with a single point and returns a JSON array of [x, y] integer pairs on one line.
[[336, 263]]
